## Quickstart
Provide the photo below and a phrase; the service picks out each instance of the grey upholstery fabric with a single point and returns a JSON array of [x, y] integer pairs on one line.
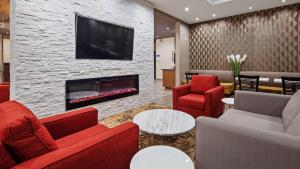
[[294, 127], [261, 103], [220, 144], [253, 120], [291, 110]]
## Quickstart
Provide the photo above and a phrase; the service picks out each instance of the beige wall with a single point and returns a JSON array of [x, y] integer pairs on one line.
[[164, 50], [182, 51]]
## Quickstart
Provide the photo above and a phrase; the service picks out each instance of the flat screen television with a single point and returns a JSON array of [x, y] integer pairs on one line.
[[101, 40]]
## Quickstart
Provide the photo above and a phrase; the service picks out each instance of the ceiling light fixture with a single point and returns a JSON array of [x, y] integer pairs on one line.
[[214, 15], [187, 9], [197, 19], [217, 2], [283, 1], [250, 7], [167, 28]]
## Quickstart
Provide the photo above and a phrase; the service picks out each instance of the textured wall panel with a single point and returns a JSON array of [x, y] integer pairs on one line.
[[43, 51], [270, 38]]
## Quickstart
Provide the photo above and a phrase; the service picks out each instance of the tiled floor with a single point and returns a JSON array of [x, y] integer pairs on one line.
[[162, 96]]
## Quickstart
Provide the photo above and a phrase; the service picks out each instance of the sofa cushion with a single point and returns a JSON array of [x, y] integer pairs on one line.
[[195, 101], [6, 160], [294, 127], [291, 110], [23, 133], [253, 120], [81, 135], [202, 83]]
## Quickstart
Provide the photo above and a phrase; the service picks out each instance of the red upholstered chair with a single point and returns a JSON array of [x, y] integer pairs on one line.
[[4, 92], [203, 97], [79, 141]]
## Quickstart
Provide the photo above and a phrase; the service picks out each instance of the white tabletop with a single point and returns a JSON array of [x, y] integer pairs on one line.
[[161, 157], [261, 79], [287, 82], [164, 122], [228, 101]]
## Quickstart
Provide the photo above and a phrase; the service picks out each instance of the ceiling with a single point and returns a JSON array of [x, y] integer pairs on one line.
[[164, 25], [204, 11]]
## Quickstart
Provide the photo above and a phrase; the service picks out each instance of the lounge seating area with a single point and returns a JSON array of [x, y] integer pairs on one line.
[[150, 84]]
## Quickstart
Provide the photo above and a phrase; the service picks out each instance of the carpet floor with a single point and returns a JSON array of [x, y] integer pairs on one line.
[[184, 142]]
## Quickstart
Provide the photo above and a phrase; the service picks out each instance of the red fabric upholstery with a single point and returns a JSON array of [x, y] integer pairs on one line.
[[4, 92], [195, 101], [207, 104], [112, 149], [6, 160], [202, 83], [81, 135], [85, 145], [23, 133], [68, 123]]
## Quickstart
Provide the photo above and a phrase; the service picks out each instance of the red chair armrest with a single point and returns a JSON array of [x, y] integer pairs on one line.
[[213, 101], [71, 122], [112, 149], [178, 92], [4, 93]]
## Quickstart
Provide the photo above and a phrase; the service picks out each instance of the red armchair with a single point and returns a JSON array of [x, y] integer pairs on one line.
[[4, 92], [203, 97], [82, 143]]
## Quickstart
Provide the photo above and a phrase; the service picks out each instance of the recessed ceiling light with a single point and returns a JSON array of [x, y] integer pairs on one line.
[[250, 7], [197, 19], [283, 1], [187, 9], [167, 28], [214, 15]]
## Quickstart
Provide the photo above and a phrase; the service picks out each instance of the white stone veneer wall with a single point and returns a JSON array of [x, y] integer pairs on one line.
[[43, 51]]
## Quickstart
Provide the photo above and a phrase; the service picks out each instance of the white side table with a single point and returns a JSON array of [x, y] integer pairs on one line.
[[161, 157], [229, 102], [164, 122]]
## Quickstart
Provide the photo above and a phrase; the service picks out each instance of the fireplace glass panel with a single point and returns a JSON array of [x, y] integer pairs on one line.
[[84, 92]]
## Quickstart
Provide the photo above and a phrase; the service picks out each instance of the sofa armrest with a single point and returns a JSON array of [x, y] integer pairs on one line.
[[112, 149], [220, 144], [71, 122], [261, 103], [178, 92], [213, 101]]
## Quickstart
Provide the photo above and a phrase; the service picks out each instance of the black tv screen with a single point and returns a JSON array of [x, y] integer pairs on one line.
[[101, 40]]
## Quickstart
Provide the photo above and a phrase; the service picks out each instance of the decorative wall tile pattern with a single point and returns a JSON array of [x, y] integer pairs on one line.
[[270, 38]]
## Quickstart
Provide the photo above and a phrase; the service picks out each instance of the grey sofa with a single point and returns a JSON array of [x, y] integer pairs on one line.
[[261, 132]]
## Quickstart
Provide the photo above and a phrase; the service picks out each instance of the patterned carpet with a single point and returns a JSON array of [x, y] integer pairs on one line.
[[185, 142]]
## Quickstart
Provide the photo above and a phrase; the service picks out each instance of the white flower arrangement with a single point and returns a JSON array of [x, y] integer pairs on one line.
[[236, 61]]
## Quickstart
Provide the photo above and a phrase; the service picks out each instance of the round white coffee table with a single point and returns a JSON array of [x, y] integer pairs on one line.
[[161, 157], [164, 122], [228, 101]]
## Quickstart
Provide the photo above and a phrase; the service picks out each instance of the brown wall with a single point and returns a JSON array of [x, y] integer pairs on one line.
[[270, 38]]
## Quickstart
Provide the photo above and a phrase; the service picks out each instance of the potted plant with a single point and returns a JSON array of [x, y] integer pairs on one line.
[[236, 62]]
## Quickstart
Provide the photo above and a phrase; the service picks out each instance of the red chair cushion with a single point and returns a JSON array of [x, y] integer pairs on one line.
[[23, 133], [80, 136], [203, 83], [195, 101], [6, 160]]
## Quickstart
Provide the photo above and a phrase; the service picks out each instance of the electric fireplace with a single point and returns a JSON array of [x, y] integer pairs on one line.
[[85, 92]]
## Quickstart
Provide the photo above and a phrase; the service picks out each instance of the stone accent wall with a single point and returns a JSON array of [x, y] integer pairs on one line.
[[43, 51], [270, 38]]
